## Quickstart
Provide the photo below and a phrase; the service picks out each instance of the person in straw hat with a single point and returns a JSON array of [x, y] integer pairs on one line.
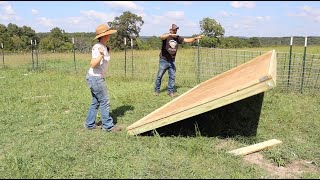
[[169, 48], [96, 81]]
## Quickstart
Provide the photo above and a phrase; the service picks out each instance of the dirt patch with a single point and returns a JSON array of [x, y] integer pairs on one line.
[[291, 171]]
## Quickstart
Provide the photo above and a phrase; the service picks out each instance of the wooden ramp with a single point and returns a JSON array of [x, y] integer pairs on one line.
[[245, 80]]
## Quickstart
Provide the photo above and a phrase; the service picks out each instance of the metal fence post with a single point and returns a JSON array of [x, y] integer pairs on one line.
[[32, 55], [2, 54], [304, 62], [198, 61], [290, 62], [36, 51], [125, 57], [131, 58], [74, 54]]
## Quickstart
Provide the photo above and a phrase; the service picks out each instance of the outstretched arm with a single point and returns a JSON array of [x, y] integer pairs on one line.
[[190, 40], [165, 36]]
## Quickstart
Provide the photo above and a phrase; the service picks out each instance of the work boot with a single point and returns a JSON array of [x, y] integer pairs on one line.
[[113, 129], [171, 95], [116, 129], [91, 128]]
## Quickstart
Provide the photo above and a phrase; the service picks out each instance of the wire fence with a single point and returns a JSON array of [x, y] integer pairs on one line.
[[295, 71]]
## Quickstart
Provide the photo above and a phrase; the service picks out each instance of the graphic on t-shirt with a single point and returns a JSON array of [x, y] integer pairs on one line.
[[173, 44]]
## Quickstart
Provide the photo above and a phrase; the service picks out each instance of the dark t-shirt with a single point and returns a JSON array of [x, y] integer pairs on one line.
[[170, 47]]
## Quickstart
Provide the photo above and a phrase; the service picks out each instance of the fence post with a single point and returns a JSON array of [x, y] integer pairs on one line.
[[36, 51], [125, 57], [289, 62], [304, 62], [74, 54], [131, 58], [198, 73], [2, 54], [32, 54]]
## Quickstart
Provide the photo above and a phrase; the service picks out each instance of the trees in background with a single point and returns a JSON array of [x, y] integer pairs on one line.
[[57, 40], [211, 28], [128, 26], [16, 39], [83, 41], [213, 32]]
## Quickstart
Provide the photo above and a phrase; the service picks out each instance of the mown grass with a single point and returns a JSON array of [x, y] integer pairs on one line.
[[42, 134]]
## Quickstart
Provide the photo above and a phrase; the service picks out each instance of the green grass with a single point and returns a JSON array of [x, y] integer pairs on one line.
[[42, 134], [296, 49], [191, 68]]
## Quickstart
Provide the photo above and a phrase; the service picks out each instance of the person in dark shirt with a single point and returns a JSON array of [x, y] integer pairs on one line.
[[170, 42]]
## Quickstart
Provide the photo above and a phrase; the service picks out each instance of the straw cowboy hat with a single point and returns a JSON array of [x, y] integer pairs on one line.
[[103, 30]]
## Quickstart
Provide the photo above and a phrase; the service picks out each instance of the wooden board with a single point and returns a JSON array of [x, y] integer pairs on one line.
[[255, 147], [248, 79]]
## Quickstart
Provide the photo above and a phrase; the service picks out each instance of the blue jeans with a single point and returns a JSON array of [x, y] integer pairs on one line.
[[163, 67], [99, 98]]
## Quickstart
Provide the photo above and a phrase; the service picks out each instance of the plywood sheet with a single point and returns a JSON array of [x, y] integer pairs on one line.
[[245, 80]]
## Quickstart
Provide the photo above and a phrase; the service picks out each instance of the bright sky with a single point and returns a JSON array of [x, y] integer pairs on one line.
[[239, 18]]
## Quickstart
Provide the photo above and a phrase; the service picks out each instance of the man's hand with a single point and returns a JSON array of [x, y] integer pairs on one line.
[[165, 36], [199, 37], [173, 35]]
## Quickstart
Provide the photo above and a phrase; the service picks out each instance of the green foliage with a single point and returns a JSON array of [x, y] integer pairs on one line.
[[128, 26], [254, 42], [13, 29], [154, 42], [211, 28], [209, 42], [16, 38], [57, 40], [280, 157], [17, 42], [82, 41], [233, 42], [142, 45]]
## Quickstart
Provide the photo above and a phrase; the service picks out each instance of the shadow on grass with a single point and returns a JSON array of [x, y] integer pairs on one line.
[[240, 118], [118, 112]]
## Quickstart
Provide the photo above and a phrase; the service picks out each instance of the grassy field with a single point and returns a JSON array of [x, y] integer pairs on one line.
[[193, 65], [42, 134]]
